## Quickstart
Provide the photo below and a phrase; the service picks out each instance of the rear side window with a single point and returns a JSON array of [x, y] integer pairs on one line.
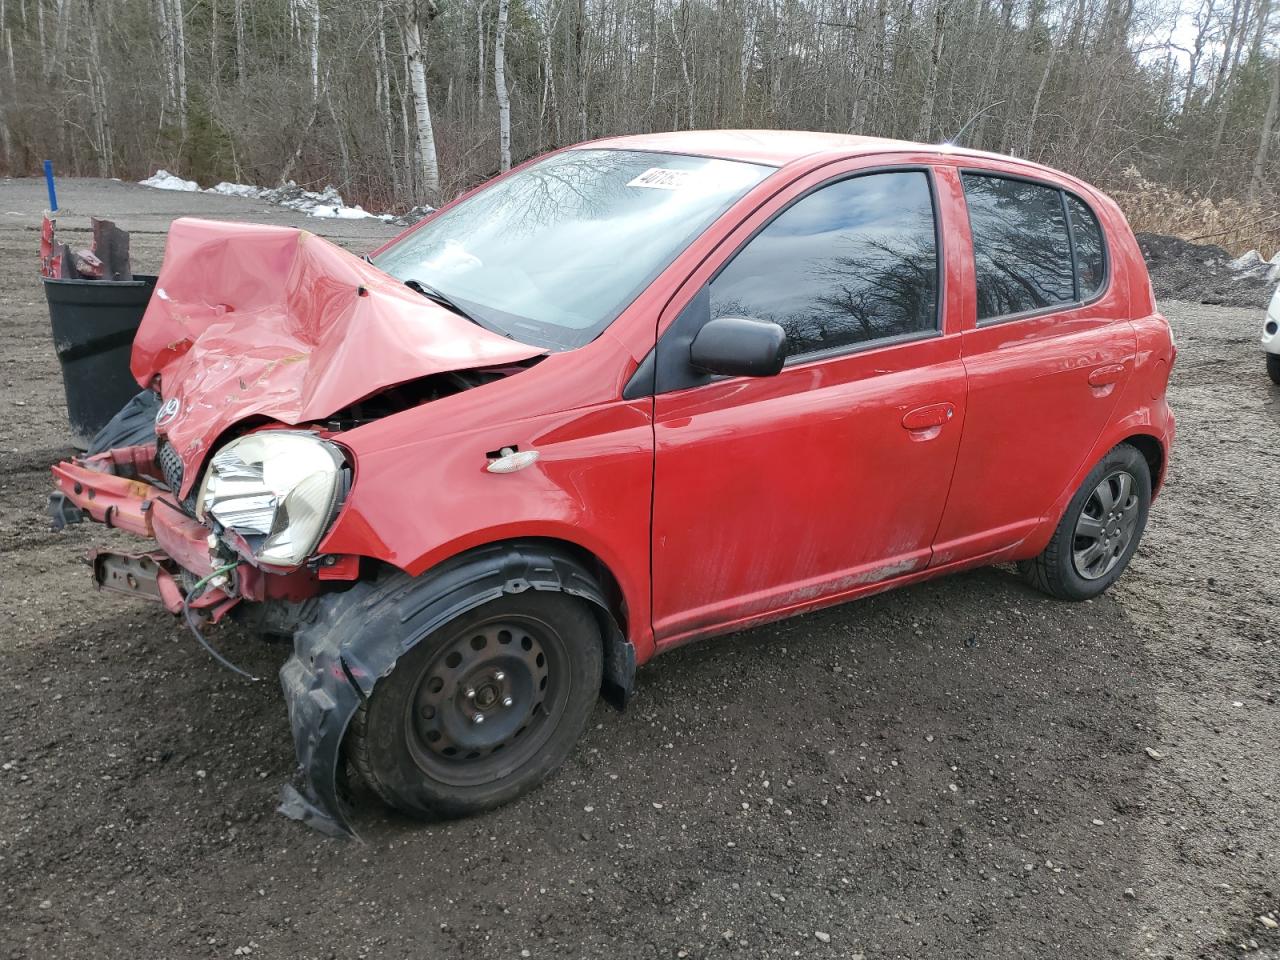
[[853, 262], [1091, 264], [1021, 247]]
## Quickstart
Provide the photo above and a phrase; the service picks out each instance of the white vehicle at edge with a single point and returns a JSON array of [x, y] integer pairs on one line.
[[1271, 337]]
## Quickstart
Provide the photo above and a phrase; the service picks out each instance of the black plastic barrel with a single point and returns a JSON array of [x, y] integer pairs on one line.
[[93, 326]]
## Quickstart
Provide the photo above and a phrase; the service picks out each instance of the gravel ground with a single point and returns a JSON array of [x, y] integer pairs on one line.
[[959, 769]]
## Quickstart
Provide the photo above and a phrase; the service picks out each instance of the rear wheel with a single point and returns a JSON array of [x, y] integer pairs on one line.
[[1273, 367], [1099, 530], [483, 709]]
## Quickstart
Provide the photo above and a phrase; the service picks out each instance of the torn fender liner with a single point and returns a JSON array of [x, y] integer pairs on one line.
[[356, 637], [251, 320]]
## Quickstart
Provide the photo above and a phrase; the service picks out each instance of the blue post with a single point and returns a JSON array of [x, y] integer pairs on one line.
[[48, 179]]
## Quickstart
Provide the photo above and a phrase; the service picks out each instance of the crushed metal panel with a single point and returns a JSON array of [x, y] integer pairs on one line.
[[250, 320]]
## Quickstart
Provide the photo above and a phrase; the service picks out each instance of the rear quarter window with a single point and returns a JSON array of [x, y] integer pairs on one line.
[[1091, 257], [1021, 245]]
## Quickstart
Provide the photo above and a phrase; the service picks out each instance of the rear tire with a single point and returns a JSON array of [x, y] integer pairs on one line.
[[1273, 367], [527, 664], [133, 426], [1099, 530]]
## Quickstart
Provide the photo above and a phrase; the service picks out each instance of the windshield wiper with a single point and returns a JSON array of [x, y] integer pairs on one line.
[[440, 297]]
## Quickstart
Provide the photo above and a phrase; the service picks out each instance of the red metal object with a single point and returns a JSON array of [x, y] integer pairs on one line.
[[712, 507], [267, 321]]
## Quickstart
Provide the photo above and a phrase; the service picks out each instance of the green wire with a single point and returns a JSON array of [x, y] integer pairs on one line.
[[186, 616]]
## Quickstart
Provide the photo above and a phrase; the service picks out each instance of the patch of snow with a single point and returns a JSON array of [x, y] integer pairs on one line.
[[1249, 260], [326, 203], [164, 180], [245, 190]]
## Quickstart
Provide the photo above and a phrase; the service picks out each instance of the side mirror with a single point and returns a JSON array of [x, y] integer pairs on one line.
[[737, 347]]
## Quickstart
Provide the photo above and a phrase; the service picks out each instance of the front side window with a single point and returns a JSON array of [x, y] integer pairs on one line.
[[853, 262], [1021, 248], [552, 254]]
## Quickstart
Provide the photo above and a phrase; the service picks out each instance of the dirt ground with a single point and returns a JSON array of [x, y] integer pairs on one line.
[[961, 769]]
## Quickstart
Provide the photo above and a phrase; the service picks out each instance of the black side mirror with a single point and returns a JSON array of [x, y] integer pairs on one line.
[[737, 347]]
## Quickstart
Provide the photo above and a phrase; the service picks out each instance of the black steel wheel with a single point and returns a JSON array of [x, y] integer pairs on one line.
[[1273, 367], [483, 709], [1098, 532]]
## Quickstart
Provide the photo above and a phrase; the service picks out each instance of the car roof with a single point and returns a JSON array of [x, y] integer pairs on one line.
[[780, 147]]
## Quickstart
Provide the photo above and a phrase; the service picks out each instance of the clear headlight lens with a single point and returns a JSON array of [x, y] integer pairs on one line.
[[278, 489]]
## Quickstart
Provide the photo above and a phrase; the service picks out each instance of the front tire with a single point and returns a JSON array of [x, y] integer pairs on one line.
[[1099, 530], [1273, 367], [483, 709]]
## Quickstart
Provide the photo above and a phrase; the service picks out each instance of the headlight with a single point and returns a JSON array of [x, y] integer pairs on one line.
[[278, 489]]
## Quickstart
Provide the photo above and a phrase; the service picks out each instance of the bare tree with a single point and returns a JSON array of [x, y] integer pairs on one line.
[[417, 22], [1267, 135], [391, 96], [500, 86]]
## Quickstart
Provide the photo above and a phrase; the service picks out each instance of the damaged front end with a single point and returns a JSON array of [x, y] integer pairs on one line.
[[193, 569], [266, 343]]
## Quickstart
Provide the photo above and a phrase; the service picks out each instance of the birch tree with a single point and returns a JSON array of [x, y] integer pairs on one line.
[[500, 86], [390, 98], [417, 22]]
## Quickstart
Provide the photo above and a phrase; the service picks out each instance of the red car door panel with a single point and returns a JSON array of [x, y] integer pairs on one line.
[[1042, 387], [1034, 413], [775, 493], [769, 493]]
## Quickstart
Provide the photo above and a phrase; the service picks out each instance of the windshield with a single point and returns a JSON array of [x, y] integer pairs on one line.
[[551, 255]]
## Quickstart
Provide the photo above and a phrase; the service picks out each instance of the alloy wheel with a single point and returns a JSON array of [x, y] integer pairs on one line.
[[1105, 527]]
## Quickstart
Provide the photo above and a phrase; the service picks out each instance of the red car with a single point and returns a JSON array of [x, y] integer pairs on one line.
[[633, 393]]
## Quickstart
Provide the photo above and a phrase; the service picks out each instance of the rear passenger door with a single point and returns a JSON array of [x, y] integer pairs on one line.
[[1046, 355]]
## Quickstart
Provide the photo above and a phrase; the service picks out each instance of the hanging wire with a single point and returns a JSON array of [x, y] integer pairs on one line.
[[195, 628]]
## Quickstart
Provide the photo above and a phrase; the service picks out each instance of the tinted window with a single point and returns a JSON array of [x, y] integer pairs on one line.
[[1090, 260], [1021, 250], [852, 262]]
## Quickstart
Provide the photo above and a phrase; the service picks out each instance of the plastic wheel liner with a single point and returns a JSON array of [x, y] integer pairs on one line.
[[355, 638]]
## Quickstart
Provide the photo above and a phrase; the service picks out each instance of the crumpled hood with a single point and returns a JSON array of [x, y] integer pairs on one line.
[[250, 320]]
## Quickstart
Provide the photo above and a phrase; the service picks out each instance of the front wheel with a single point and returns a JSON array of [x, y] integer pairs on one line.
[[1273, 367], [1099, 530], [482, 709]]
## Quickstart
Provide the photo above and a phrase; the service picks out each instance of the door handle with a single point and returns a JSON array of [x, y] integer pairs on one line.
[[929, 417], [1106, 376]]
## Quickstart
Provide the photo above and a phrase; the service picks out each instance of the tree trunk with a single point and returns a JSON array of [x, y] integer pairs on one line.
[[1035, 103], [580, 66], [180, 63], [420, 13], [931, 84], [500, 87], [482, 74], [382, 79], [1268, 132], [241, 69], [546, 26], [313, 45], [98, 93]]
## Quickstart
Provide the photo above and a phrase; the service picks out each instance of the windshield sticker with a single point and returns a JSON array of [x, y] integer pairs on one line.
[[661, 178]]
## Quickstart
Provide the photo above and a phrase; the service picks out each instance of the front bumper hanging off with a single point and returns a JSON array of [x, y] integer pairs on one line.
[[116, 489], [113, 489]]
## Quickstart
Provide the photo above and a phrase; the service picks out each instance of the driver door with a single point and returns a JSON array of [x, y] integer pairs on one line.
[[772, 494]]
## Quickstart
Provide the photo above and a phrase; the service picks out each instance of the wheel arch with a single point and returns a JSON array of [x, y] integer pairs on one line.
[[1153, 452], [357, 636]]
